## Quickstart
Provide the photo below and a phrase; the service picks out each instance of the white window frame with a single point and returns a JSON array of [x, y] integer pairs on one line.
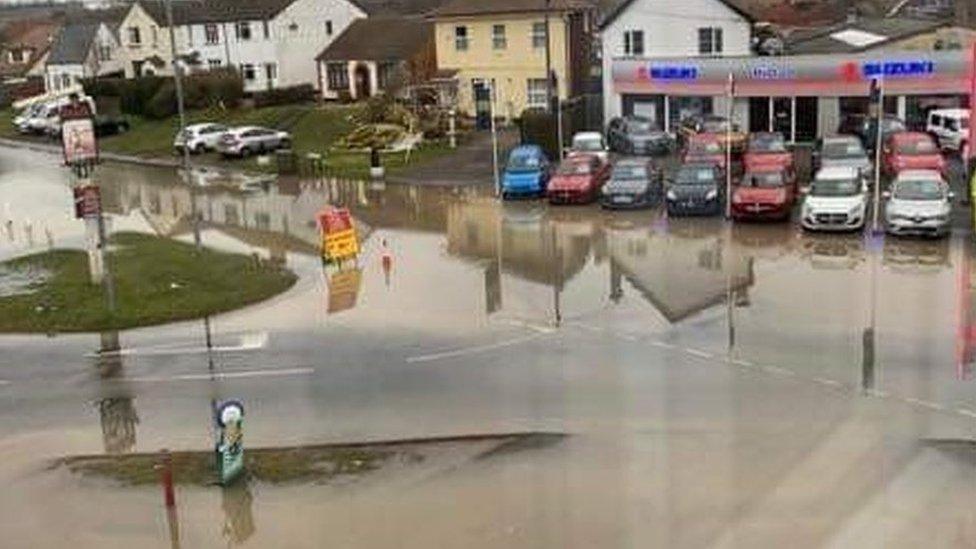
[[242, 30], [536, 90], [271, 71], [249, 67], [207, 36], [328, 27], [715, 41], [462, 41], [498, 39], [631, 39], [538, 35], [134, 34]]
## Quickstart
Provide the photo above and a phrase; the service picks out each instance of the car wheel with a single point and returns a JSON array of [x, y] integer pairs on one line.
[[245, 152], [199, 149]]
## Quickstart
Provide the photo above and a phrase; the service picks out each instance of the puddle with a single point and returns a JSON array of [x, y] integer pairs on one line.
[[21, 280]]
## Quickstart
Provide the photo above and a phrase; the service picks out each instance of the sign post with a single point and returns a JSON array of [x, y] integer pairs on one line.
[[728, 148], [877, 97], [230, 447]]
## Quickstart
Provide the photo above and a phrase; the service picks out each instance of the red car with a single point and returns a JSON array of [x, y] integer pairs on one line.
[[767, 150], [578, 180], [765, 192], [704, 148], [911, 151]]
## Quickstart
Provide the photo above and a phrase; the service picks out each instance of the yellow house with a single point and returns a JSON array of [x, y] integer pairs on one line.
[[145, 39], [503, 43]]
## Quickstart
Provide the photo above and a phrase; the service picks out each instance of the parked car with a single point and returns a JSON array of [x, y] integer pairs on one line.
[[637, 135], [890, 125], [526, 172], [578, 179], [634, 183], [841, 150], [836, 200], [21, 120], [590, 143], [199, 138], [911, 151], [767, 149], [919, 203], [696, 189], [728, 133], [248, 140], [950, 127], [704, 148], [764, 192]]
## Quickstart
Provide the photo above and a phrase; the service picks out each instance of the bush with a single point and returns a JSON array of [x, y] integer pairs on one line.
[[539, 127], [371, 136], [155, 96], [285, 96], [163, 104]]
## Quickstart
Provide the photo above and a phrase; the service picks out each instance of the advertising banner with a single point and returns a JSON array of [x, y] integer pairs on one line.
[[78, 142]]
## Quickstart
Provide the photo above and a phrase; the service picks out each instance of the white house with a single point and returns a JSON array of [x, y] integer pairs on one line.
[[648, 29], [82, 50], [273, 43]]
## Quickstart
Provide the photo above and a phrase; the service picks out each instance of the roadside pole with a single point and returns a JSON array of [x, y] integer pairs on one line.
[[728, 148], [548, 60], [878, 86], [559, 122], [178, 84], [494, 137]]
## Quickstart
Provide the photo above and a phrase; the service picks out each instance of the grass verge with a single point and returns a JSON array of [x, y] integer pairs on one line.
[[156, 281]]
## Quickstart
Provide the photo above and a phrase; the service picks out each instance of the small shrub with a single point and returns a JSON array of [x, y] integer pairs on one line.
[[285, 96]]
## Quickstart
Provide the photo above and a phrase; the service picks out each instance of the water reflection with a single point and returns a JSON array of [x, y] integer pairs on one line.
[[117, 411], [236, 501]]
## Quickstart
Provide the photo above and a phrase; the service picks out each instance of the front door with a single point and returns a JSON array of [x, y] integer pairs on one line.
[[361, 75], [482, 104]]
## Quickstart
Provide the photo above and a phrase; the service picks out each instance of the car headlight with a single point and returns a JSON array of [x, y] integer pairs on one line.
[[855, 210], [671, 195], [711, 194]]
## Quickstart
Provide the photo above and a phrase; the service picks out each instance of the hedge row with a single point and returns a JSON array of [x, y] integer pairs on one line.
[[155, 96]]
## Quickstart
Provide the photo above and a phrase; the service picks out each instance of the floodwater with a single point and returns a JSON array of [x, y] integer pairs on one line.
[[719, 385]]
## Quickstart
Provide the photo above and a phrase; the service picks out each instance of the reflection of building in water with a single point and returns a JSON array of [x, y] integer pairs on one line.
[[236, 501], [117, 411], [679, 276], [529, 240]]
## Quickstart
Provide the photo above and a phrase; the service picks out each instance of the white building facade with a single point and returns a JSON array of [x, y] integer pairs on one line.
[[82, 51], [639, 29]]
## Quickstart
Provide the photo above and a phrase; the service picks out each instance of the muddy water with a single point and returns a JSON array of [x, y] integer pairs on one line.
[[725, 386]]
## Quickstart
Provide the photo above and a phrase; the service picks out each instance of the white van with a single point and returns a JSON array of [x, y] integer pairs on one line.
[[950, 127]]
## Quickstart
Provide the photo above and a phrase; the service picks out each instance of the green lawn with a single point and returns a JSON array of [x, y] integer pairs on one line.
[[156, 281]]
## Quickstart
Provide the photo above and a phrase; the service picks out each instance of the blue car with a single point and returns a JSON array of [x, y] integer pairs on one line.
[[526, 173]]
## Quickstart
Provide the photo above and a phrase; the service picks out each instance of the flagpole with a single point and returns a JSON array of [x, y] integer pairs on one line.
[[728, 147]]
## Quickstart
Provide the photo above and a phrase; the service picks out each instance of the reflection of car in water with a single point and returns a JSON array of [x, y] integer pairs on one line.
[[916, 256], [838, 251], [768, 241]]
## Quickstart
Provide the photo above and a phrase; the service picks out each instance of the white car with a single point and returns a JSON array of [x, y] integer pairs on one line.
[[919, 203], [21, 120], [950, 127], [248, 140], [837, 200], [199, 138], [590, 143]]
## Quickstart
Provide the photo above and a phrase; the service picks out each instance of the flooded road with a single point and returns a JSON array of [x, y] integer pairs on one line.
[[720, 385]]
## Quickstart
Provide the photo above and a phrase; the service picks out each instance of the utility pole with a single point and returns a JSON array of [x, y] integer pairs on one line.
[[548, 62], [877, 86], [178, 83], [728, 148], [494, 136]]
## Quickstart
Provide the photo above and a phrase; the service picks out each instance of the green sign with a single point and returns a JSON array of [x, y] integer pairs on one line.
[[230, 448]]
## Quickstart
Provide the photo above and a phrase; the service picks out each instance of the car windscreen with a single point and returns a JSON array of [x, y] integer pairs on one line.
[[717, 125], [767, 143], [695, 176], [573, 168], [835, 187], [924, 189], [763, 180], [704, 147], [913, 147], [589, 144], [622, 171], [843, 149], [524, 162]]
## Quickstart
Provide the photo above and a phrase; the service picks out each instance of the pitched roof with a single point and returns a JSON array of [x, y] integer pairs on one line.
[[379, 39], [73, 43], [214, 11], [397, 7], [860, 35], [463, 8], [737, 6], [34, 34]]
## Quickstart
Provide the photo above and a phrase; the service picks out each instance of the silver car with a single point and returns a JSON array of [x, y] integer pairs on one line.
[[248, 140], [842, 150], [199, 138], [919, 203]]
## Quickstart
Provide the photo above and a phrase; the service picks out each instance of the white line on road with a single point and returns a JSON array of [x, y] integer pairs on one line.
[[4, 382], [698, 353], [471, 350], [530, 326], [589, 328], [743, 363], [923, 403], [662, 344], [966, 412], [827, 381], [224, 375], [248, 342]]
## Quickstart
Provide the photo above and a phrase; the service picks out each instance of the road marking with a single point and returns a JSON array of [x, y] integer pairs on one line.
[[627, 337], [743, 363], [827, 381], [966, 412], [923, 403], [218, 376], [587, 327], [662, 344], [530, 326], [248, 342], [700, 354], [4, 382], [471, 350]]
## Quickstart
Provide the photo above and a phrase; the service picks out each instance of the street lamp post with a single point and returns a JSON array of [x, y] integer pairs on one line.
[[494, 136], [548, 61]]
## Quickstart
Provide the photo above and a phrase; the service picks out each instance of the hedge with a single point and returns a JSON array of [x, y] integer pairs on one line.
[[284, 96], [155, 96]]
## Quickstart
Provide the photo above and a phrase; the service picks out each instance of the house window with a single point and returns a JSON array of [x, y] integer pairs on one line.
[[104, 52], [498, 41], [135, 38], [262, 221], [385, 74], [536, 93], [338, 76], [634, 42], [243, 29], [538, 35], [710, 40], [211, 33], [65, 81], [328, 28], [267, 30], [155, 36], [213, 63], [18, 55], [248, 72], [271, 71], [461, 38]]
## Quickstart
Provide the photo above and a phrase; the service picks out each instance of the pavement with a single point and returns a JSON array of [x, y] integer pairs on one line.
[[718, 384]]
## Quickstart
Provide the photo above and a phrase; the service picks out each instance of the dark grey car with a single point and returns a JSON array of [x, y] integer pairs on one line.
[[634, 183], [638, 135], [696, 189]]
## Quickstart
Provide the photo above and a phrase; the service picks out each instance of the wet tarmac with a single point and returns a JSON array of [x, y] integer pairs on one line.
[[722, 385]]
